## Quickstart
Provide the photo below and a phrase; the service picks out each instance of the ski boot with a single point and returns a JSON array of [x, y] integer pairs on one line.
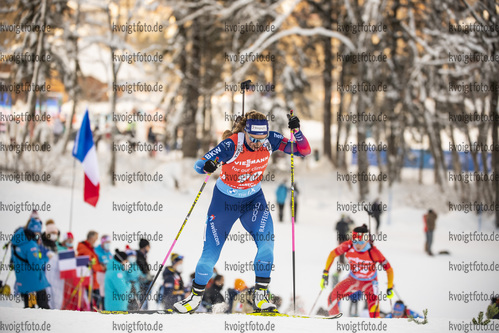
[[260, 297], [191, 303]]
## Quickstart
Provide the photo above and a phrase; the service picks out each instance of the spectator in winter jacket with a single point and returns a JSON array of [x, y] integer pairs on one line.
[[51, 245], [67, 242], [375, 211], [173, 285], [117, 287], [134, 276], [86, 248], [142, 264], [430, 220], [343, 229], [50, 238], [213, 295], [29, 265], [103, 251], [104, 255], [239, 286], [281, 194]]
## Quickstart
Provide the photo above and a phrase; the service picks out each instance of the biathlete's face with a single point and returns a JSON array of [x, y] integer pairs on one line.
[[255, 141], [359, 241], [359, 245]]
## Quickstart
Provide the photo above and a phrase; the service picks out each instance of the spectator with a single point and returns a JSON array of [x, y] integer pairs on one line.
[[50, 246], [105, 256], [86, 248], [430, 220], [213, 295], [116, 285], [67, 242], [239, 287], [243, 302], [103, 250], [50, 238], [375, 211], [173, 285], [29, 265], [146, 276], [133, 276], [296, 194], [343, 228], [281, 194]]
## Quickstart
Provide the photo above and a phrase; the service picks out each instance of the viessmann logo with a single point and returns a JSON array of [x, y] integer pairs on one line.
[[248, 162]]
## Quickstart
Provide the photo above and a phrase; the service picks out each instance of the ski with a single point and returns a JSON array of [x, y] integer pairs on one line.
[[278, 314], [263, 314]]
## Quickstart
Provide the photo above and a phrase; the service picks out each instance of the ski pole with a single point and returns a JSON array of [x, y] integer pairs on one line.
[[293, 213], [174, 242], [6, 248], [244, 86], [315, 303]]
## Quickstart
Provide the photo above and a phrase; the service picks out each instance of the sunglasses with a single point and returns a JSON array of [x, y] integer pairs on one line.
[[255, 140], [358, 242]]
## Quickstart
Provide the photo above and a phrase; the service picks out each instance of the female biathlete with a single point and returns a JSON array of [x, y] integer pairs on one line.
[[244, 154], [363, 258]]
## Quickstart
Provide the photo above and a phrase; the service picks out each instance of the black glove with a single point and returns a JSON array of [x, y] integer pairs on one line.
[[293, 122], [210, 166]]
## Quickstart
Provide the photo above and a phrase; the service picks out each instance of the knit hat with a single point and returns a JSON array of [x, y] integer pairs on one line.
[[176, 258], [35, 225], [143, 243], [68, 235], [34, 214], [50, 227], [105, 239], [240, 285], [120, 256]]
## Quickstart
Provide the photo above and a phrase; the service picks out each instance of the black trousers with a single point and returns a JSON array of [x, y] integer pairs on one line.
[[41, 299]]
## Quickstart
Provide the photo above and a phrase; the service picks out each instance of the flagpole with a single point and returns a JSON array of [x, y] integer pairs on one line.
[[72, 192]]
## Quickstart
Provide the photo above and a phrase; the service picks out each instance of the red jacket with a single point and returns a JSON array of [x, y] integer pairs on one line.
[[85, 249]]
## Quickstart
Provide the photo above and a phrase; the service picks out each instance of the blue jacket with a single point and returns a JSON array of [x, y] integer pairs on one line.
[[29, 264], [281, 193], [116, 287], [134, 274], [104, 256]]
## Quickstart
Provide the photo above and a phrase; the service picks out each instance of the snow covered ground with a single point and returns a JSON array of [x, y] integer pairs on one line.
[[423, 282]]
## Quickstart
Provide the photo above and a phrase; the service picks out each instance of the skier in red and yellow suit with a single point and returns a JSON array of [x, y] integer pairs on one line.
[[364, 260]]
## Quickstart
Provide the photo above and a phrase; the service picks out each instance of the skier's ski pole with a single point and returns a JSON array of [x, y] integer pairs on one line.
[[315, 303], [6, 248], [293, 213], [244, 86], [174, 242]]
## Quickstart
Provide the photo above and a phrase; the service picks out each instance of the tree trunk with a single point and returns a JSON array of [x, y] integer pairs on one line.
[[36, 71], [189, 136], [112, 165], [328, 82], [74, 97]]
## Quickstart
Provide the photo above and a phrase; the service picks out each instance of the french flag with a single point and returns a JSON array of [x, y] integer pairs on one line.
[[84, 151], [82, 270], [67, 264]]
